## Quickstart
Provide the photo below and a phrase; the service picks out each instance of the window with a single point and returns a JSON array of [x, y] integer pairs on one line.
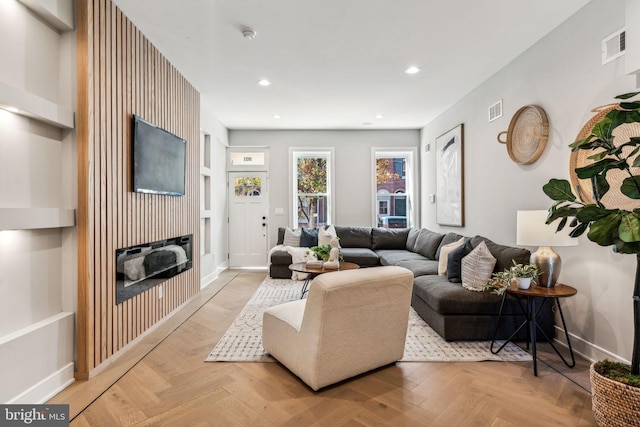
[[394, 188], [311, 189], [247, 186]]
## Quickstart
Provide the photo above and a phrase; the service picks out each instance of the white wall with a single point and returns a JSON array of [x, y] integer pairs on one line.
[[563, 74], [353, 168], [37, 170], [216, 260]]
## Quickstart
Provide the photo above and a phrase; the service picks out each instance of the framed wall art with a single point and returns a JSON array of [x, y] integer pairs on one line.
[[450, 178]]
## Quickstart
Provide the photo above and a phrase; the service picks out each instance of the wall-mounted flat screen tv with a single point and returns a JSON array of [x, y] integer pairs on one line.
[[159, 159]]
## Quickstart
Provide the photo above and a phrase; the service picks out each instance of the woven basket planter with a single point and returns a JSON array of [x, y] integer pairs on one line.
[[614, 404]]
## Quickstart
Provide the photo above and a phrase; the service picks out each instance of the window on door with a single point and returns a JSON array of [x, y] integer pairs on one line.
[[312, 188], [394, 188]]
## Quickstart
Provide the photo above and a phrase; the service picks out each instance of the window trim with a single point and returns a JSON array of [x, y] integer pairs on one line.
[[411, 181], [294, 154]]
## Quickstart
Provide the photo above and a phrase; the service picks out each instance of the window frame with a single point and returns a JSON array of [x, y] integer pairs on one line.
[[294, 154], [410, 154]]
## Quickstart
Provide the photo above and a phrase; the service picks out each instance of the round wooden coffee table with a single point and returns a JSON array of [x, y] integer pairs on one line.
[[312, 272]]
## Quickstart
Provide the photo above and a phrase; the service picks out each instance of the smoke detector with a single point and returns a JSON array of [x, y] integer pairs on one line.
[[248, 33]]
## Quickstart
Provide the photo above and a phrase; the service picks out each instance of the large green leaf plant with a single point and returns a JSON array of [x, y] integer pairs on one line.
[[606, 225]]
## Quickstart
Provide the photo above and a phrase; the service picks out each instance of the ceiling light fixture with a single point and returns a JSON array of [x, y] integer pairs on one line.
[[379, 116], [264, 82], [412, 70], [276, 116], [248, 33]]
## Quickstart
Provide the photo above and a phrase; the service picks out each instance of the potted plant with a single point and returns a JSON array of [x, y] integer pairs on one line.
[[521, 274], [615, 225]]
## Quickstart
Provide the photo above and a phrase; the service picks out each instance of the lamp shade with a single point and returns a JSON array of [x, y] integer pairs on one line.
[[532, 231]]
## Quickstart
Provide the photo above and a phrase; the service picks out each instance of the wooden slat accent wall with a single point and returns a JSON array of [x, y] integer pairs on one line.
[[120, 73]]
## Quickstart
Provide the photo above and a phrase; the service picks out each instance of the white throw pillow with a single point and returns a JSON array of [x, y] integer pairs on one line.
[[444, 254], [477, 268], [291, 238], [325, 236]]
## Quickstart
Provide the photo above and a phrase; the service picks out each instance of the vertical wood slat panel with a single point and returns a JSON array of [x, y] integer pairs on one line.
[[121, 73]]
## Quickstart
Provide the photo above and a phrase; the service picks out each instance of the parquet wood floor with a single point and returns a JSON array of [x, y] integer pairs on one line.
[[162, 380]]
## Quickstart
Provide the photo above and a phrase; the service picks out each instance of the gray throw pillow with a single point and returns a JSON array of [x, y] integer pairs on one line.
[[309, 237], [427, 243]]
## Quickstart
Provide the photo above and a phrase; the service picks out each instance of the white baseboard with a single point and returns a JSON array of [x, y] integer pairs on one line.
[[36, 362], [584, 348], [47, 388], [209, 278]]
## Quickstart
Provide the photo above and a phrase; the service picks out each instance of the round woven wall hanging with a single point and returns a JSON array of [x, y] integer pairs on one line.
[[614, 199], [527, 134]]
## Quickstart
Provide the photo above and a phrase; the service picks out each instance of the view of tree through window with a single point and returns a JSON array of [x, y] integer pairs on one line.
[[391, 192], [312, 191]]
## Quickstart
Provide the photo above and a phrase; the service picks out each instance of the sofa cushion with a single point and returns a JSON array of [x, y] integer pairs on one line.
[[309, 237], [445, 250], [411, 239], [362, 256], [292, 238], [395, 256], [477, 268], [454, 262], [504, 254], [354, 237], [280, 235], [420, 267], [427, 243], [448, 238], [389, 238], [325, 236], [451, 298]]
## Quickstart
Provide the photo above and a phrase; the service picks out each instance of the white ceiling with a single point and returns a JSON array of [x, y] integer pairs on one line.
[[336, 64]]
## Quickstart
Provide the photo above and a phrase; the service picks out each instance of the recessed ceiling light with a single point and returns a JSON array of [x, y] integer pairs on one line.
[[379, 116], [412, 70], [248, 33], [264, 82], [276, 116]]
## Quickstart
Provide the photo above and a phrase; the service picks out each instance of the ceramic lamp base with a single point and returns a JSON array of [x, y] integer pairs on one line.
[[549, 264]]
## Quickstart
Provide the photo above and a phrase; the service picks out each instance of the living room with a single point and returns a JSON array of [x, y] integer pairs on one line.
[[562, 72]]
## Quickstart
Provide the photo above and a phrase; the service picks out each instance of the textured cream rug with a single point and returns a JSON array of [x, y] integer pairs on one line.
[[243, 340]]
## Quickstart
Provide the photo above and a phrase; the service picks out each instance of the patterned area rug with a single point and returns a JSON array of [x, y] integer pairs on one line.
[[243, 340]]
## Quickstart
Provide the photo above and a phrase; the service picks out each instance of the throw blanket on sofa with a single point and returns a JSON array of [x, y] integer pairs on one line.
[[297, 255]]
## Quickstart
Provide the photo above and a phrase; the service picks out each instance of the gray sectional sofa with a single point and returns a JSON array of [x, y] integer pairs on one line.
[[451, 310]]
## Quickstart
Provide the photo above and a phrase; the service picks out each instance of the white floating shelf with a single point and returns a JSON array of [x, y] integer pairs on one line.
[[30, 105], [34, 218]]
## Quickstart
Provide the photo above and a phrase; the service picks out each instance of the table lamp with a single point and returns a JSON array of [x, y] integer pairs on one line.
[[533, 231]]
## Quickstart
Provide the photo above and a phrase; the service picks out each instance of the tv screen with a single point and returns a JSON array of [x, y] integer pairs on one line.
[[158, 160]]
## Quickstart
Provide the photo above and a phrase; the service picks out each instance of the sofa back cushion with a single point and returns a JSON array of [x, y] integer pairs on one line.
[[389, 238], [505, 255], [427, 243], [354, 237], [411, 239], [448, 238]]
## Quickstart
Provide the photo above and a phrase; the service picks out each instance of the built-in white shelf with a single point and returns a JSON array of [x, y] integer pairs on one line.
[[34, 218], [27, 104], [57, 13]]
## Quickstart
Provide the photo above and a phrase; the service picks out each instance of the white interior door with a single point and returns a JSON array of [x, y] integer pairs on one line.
[[248, 200]]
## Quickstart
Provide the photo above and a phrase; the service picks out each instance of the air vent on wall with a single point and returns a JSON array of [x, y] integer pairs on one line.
[[495, 111], [613, 46]]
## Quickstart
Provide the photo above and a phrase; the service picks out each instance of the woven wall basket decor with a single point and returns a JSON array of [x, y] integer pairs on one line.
[[527, 135], [614, 199]]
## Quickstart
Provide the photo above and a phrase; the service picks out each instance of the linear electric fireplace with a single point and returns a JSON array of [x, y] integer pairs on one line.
[[141, 267]]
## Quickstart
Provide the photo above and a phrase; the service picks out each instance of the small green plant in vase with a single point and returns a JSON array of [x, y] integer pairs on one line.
[[521, 274]]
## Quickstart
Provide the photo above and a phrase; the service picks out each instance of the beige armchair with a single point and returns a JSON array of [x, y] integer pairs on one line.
[[351, 322]]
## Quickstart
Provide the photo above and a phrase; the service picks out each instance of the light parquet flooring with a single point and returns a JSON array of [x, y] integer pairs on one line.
[[162, 380]]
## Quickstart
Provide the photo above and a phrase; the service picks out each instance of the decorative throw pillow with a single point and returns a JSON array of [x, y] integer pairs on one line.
[[292, 238], [444, 254], [309, 237], [325, 236], [477, 267], [454, 262]]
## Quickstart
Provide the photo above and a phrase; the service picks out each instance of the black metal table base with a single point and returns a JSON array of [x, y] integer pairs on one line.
[[531, 315]]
